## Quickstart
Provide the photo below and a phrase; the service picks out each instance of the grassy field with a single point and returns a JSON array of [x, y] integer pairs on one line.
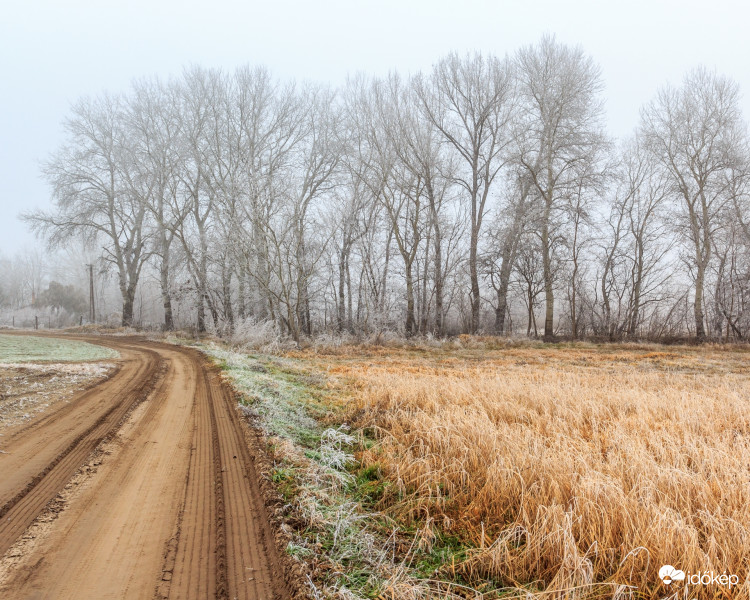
[[522, 470], [17, 349]]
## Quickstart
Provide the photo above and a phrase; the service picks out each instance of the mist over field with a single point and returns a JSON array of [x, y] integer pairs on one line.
[[467, 191], [484, 195]]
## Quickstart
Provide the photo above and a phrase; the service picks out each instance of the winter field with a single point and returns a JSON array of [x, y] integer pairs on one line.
[[17, 349], [483, 469], [37, 372]]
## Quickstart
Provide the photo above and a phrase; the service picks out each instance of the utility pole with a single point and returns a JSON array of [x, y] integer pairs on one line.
[[92, 310]]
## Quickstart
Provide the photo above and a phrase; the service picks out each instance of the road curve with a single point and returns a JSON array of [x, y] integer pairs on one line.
[[154, 490]]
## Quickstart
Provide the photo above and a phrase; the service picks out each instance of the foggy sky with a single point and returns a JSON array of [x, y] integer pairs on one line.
[[52, 53]]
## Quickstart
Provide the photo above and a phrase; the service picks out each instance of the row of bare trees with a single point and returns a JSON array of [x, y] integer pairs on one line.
[[475, 197]]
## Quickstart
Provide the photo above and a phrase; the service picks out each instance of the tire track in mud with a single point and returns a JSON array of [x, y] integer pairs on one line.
[[185, 560], [252, 560], [176, 511], [221, 531]]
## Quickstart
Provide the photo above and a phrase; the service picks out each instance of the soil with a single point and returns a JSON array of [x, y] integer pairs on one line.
[[28, 389], [145, 485]]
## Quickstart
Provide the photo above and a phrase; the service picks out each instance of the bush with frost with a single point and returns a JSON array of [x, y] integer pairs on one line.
[[255, 334]]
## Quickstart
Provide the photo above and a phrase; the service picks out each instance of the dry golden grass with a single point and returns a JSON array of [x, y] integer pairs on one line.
[[571, 471]]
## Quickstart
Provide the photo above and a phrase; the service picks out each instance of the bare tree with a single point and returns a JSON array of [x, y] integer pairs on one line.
[[529, 277], [695, 131], [470, 101], [270, 122], [156, 159], [398, 186], [199, 93], [511, 221], [560, 139], [309, 180], [644, 199], [417, 146], [319, 160], [88, 177], [580, 208]]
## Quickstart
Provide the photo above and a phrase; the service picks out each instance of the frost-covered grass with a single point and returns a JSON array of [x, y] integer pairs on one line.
[[18, 348], [273, 392], [557, 472], [28, 389], [504, 469], [347, 547], [352, 548]]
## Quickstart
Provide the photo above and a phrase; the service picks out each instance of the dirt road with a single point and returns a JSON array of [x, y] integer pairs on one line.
[[143, 486]]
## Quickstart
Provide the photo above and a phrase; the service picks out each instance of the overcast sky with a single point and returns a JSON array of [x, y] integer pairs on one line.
[[53, 52]]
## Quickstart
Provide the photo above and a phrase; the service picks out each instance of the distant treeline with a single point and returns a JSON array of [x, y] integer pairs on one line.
[[484, 195]]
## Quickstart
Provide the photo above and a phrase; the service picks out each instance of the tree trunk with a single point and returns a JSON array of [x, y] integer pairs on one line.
[[349, 303], [341, 304], [473, 273], [241, 300], [439, 316], [549, 332], [573, 306], [529, 323], [410, 322], [201, 324], [226, 292], [128, 300], [166, 297], [424, 313], [165, 243], [438, 261], [262, 301], [502, 290], [700, 331], [636, 307], [384, 278]]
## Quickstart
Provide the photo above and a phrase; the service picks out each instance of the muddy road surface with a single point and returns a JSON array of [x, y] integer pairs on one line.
[[143, 486]]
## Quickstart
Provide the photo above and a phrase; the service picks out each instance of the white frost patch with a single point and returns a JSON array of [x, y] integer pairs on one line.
[[27, 389], [93, 369]]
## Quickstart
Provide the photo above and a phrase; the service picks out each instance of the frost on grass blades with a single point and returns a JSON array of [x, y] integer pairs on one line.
[[565, 470], [504, 470], [27, 389], [36, 373], [16, 349]]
